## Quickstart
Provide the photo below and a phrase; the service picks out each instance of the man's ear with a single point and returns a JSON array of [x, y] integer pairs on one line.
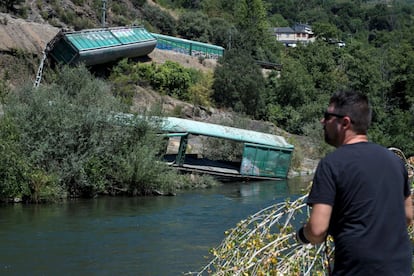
[[346, 121]]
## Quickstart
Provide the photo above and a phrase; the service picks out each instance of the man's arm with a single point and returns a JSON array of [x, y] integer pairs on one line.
[[409, 210], [316, 229]]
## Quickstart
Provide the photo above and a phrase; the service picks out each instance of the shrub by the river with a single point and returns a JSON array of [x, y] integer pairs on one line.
[[265, 244], [61, 140]]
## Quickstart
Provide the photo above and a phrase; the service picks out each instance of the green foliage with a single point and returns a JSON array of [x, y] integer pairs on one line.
[[169, 78], [71, 18], [44, 187], [396, 123], [222, 149], [221, 32], [119, 8], [14, 168], [194, 25], [190, 181], [140, 172], [324, 30], [200, 93], [123, 81], [172, 79], [4, 90], [160, 19], [292, 100], [254, 31], [239, 84], [70, 142], [278, 20], [220, 9]]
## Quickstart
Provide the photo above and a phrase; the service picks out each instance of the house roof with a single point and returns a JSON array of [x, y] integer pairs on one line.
[[297, 28], [283, 30]]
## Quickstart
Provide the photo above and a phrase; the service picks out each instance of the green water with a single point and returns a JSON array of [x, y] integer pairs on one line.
[[129, 236]]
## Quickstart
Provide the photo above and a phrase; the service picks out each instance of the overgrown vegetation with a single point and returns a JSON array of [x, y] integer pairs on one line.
[[70, 138], [169, 78], [378, 60]]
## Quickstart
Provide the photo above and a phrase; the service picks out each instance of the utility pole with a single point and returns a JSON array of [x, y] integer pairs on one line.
[[103, 13]]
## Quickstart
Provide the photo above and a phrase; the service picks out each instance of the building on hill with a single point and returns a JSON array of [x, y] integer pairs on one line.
[[291, 36]]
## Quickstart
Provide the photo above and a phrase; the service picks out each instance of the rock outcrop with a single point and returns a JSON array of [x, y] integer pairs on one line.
[[20, 35]]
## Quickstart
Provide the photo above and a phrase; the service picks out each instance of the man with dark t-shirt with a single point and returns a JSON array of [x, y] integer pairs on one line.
[[360, 195]]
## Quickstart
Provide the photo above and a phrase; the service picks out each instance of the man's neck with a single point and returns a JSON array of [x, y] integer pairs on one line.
[[355, 139]]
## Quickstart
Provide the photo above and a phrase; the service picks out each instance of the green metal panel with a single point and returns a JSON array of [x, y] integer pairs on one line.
[[181, 150], [126, 36], [63, 52], [101, 38], [173, 124], [265, 161], [189, 47], [97, 46], [92, 40]]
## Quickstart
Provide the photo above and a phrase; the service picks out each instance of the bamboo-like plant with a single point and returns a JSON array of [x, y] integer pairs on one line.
[[265, 244]]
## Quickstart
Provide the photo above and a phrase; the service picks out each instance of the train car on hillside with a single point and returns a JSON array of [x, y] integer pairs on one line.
[[188, 47], [98, 46]]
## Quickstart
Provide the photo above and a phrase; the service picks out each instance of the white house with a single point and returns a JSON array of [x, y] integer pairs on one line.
[[291, 36]]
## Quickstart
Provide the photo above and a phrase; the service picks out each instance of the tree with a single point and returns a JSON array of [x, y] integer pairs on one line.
[[254, 31], [325, 30], [291, 98], [221, 32], [194, 25], [160, 19], [239, 84], [220, 8]]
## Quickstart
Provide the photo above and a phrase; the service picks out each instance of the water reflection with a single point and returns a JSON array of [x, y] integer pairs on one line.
[[133, 236]]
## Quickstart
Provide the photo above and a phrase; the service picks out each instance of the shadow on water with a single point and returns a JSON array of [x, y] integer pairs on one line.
[[132, 236]]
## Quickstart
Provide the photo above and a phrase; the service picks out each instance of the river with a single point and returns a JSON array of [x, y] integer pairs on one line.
[[129, 236]]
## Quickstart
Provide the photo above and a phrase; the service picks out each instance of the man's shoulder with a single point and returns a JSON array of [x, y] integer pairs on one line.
[[355, 152], [360, 147]]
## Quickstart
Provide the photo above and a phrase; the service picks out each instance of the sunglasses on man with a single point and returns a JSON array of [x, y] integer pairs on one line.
[[327, 115]]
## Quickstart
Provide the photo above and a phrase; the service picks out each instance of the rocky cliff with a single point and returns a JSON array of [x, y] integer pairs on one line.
[[19, 35]]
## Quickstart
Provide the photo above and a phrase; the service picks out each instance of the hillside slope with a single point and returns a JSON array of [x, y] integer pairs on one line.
[[23, 37]]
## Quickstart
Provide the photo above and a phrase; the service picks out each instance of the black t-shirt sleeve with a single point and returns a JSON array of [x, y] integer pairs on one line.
[[323, 186]]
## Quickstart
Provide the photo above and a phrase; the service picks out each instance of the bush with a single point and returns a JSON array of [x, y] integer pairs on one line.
[[200, 92], [69, 141], [160, 19], [14, 167], [172, 79], [194, 25]]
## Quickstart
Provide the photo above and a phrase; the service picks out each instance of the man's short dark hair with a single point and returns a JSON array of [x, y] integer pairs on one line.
[[355, 105]]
